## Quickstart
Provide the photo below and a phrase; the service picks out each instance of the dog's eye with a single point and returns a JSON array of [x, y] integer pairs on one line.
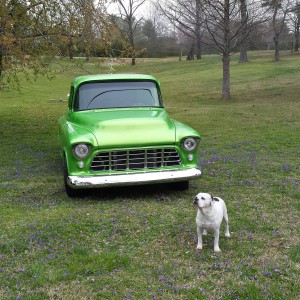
[[202, 198]]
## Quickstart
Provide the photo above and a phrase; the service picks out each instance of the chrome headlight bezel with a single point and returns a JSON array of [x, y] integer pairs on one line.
[[81, 150], [190, 143]]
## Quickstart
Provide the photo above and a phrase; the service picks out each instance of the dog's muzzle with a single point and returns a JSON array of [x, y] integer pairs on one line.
[[196, 201]]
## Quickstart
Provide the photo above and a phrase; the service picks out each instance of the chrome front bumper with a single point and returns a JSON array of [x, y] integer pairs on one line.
[[78, 182]]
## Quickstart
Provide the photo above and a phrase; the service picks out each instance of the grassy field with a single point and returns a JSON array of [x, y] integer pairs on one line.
[[140, 243]]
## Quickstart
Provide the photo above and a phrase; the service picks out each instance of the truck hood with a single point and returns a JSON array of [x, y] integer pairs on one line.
[[128, 127]]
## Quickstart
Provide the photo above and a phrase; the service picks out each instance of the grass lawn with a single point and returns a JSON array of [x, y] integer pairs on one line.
[[140, 242]]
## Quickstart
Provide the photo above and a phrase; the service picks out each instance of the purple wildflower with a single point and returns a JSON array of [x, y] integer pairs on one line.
[[277, 272]]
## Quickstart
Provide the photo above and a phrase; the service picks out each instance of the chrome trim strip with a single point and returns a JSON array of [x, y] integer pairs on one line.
[[78, 182]]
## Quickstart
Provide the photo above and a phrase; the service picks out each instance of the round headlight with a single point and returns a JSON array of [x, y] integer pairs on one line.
[[190, 144], [82, 150]]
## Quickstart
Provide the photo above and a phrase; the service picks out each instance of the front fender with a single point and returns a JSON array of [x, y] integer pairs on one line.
[[183, 131], [70, 134]]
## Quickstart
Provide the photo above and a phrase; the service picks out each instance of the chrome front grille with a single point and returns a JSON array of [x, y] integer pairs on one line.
[[139, 159]]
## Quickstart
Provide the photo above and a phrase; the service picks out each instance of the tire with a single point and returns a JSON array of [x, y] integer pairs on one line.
[[181, 185], [72, 193]]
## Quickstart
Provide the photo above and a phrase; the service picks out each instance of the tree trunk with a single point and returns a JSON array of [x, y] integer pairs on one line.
[[226, 77], [226, 52], [244, 33], [276, 31], [87, 56], [297, 32], [243, 53], [276, 43], [88, 27], [1, 62], [133, 60], [197, 30], [191, 52], [199, 49], [70, 49], [131, 39]]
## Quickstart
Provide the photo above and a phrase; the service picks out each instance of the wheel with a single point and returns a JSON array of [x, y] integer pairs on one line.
[[72, 193], [181, 185]]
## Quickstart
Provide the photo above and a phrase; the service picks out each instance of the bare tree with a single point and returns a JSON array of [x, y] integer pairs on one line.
[[218, 15], [222, 25], [278, 9], [127, 11], [226, 32], [186, 16], [155, 28], [150, 33], [295, 24]]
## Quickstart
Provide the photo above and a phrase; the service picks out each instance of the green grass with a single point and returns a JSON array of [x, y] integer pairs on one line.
[[140, 242]]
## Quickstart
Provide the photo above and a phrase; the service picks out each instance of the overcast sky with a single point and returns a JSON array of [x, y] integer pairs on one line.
[[143, 11]]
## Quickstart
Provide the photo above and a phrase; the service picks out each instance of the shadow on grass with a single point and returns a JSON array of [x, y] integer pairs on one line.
[[155, 192]]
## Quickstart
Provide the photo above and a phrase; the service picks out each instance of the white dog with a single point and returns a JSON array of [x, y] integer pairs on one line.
[[211, 211]]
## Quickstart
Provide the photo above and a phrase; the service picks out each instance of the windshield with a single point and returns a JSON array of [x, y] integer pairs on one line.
[[97, 95]]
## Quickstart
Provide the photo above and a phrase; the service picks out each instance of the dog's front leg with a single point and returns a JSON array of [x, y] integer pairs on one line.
[[216, 240], [199, 235]]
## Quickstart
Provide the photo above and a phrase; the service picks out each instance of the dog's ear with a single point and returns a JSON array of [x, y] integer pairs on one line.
[[214, 198]]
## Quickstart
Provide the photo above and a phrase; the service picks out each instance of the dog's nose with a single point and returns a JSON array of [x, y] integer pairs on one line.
[[196, 201]]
